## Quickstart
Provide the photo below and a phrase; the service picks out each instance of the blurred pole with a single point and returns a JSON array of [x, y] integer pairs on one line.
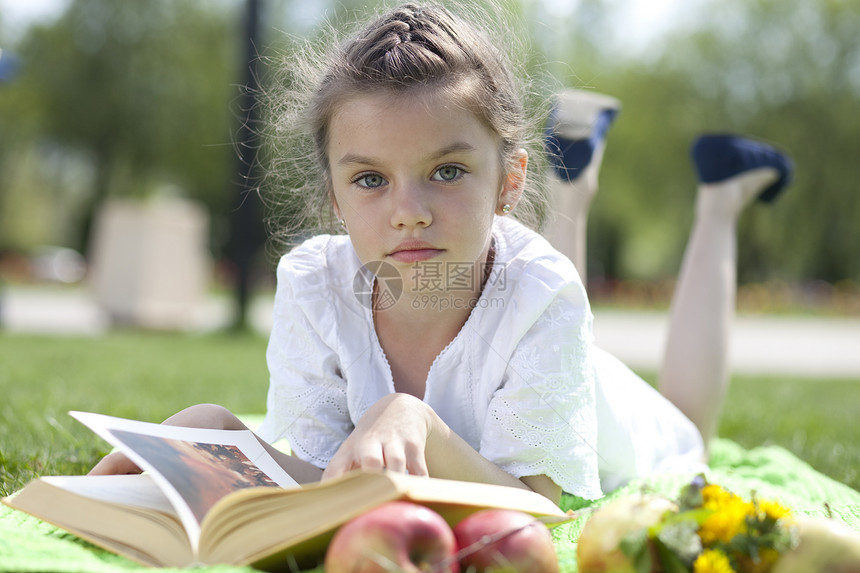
[[246, 225], [9, 66]]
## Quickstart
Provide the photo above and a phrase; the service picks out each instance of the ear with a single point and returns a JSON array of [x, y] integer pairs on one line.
[[514, 181], [330, 193]]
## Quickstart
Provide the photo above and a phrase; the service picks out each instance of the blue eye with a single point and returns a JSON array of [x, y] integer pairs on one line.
[[370, 181], [448, 173]]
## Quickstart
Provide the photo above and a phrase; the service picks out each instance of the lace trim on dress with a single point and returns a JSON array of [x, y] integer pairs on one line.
[[547, 406], [305, 393], [565, 449], [299, 417]]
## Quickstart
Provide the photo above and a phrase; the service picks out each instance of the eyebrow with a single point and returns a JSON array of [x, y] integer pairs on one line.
[[456, 147]]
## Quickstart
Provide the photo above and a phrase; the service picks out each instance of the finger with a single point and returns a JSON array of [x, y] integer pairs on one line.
[[370, 457], [416, 462], [334, 470], [339, 465], [114, 464], [330, 473], [394, 459]]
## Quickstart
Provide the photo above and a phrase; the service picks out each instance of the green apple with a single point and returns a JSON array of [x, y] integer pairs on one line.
[[824, 546], [598, 549]]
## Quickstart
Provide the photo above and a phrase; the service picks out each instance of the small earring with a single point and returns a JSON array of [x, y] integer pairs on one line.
[[506, 208], [342, 224]]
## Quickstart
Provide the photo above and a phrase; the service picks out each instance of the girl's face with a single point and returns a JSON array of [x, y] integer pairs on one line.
[[417, 183]]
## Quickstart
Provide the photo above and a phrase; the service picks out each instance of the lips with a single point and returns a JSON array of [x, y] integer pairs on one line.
[[413, 251]]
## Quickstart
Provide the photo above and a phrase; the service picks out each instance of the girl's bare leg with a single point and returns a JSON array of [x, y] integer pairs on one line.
[[695, 369], [576, 140]]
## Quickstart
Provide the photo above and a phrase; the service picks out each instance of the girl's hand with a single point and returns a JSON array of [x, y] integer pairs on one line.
[[392, 434], [401, 433]]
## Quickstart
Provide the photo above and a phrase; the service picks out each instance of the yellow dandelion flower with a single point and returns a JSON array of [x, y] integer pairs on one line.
[[711, 491], [726, 522], [773, 509], [715, 496], [712, 561]]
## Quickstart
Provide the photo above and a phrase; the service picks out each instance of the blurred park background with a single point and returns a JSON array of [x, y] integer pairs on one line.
[[140, 101], [124, 118]]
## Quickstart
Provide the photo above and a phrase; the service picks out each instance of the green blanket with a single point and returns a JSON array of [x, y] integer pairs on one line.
[[30, 545]]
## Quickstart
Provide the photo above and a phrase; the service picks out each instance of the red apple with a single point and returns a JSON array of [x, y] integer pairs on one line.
[[397, 536], [505, 541]]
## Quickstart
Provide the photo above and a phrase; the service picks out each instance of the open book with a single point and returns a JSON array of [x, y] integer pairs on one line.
[[217, 496]]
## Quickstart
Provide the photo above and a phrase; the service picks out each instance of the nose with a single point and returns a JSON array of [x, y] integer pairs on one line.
[[410, 206]]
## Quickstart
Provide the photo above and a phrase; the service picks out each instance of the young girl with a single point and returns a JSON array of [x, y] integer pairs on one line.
[[438, 336]]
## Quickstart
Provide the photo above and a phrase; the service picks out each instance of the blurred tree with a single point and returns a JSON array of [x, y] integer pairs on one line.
[[143, 88], [139, 90], [786, 71]]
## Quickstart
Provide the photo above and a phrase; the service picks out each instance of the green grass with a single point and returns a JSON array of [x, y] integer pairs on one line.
[[133, 375], [816, 419], [150, 376]]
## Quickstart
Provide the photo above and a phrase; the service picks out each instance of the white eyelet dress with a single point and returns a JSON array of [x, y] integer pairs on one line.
[[522, 382]]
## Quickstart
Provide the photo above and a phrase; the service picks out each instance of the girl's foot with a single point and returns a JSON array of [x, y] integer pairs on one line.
[[576, 131], [722, 157], [727, 199], [575, 141]]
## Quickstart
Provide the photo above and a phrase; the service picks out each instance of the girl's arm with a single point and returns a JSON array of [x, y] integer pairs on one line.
[[213, 417], [402, 433]]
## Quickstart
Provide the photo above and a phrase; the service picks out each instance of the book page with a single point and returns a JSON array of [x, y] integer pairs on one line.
[[137, 490], [194, 467], [125, 514]]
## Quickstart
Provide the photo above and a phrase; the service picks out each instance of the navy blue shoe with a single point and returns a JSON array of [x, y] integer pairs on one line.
[[722, 156], [577, 124]]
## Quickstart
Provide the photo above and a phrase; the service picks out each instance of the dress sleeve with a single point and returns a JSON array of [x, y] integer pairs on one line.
[[542, 420], [307, 401]]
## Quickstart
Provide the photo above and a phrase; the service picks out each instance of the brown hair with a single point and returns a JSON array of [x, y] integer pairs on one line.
[[412, 47]]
